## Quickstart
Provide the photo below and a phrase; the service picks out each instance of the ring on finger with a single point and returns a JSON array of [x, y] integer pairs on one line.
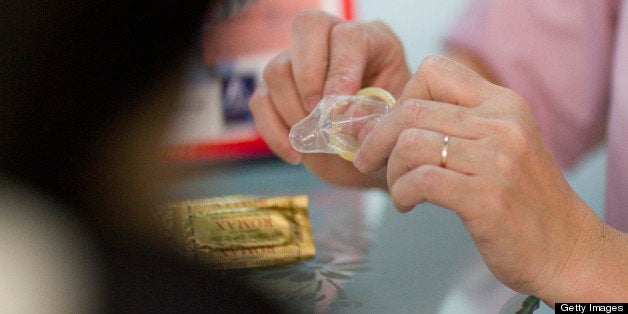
[[443, 153]]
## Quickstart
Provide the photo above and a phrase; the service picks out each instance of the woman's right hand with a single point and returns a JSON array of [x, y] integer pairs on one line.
[[327, 56]]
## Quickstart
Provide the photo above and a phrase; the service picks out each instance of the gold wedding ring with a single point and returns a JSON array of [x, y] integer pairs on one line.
[[443, 153]]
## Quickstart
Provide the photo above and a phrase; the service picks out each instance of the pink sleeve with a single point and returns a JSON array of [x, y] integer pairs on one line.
[[556, 54]]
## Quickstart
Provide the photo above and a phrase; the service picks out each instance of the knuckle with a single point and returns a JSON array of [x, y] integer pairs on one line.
[[399, 195], [276, 69], [306, 19], [351, 30], [406, 138], [380, 33], [511, 96], [421, 178], [430, 63], [515, 102], [406, 143], [381, 26], [515, 135], [410, 112], [400, 200], [507, 167], [464, 116], [427, 174], [255, 101], [424, 177], [379, 36]]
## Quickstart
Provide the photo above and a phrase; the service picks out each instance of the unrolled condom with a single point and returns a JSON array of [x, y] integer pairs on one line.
[[340, 122]]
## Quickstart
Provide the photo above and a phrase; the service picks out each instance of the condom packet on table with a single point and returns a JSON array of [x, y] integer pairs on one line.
[[339, 122], [240, 231]]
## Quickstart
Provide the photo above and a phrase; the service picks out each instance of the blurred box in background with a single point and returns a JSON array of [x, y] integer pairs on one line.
[[213, 120]]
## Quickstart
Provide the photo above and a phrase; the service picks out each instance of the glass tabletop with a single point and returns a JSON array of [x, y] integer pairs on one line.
[[369, 258]]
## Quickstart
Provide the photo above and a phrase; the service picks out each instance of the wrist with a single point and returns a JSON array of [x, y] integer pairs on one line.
[[595, 268]]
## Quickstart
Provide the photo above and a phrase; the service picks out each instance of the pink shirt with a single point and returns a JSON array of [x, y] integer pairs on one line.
[[569, 60]]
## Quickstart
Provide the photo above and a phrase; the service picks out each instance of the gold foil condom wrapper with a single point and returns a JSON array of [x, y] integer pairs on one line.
[[239, 231]]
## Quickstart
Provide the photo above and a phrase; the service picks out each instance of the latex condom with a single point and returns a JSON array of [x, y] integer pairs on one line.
[[339, 123]]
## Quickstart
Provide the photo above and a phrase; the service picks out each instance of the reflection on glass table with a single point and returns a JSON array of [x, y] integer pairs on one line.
[[369, 258]]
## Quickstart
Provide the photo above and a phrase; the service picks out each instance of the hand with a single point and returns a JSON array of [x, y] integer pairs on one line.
[[328, 56], [533, 231]]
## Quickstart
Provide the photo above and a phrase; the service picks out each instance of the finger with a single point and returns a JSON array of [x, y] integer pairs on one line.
[[442, 79], [282, 89], [436, 185], [429, 115], [416, 148], [271, 126], [347, 60], [310, 50], [356, 48]]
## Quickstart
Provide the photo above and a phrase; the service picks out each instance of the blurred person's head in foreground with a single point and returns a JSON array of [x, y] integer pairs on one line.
[[86, 92]]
